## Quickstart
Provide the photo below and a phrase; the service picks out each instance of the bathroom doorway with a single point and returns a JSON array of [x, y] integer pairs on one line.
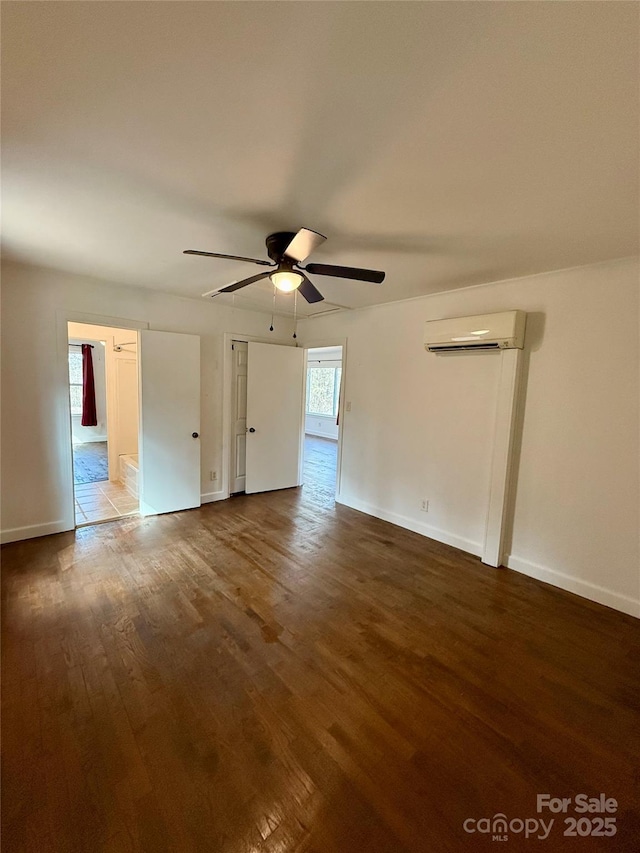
[[103, 393]]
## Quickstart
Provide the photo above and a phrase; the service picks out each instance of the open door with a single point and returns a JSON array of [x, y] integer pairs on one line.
[[275, 388], [169, 422]]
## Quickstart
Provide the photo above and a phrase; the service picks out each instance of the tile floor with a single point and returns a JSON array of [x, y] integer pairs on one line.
[[102, 502]]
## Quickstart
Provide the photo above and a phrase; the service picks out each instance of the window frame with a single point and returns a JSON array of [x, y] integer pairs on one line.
[[73, 351]]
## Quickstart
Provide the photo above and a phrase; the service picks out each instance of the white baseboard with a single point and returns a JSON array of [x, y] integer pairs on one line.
[[210, 497], [570, 583], [321, 435], [416, 526], [17, 534]]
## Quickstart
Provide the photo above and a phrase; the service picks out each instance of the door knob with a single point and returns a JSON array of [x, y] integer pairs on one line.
[[194, 435], [251, 429]]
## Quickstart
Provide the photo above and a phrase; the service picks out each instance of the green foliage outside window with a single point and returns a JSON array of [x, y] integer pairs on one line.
[[323, 390]]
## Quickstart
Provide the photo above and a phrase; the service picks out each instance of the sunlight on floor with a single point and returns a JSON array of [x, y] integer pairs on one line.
[[320, 462]]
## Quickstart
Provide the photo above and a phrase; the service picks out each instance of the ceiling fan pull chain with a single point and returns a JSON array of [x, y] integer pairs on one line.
[[295, 313], [273, 309]]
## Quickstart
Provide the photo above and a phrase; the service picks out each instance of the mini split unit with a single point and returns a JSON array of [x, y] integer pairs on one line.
[[484, 331]]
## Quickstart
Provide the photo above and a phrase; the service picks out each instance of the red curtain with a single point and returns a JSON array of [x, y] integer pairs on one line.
[[89, 414]]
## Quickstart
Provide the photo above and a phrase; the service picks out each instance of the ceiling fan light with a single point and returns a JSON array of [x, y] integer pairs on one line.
[[286, 280]]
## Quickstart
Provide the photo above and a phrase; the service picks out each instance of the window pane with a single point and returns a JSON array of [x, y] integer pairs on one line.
[[75, 368], [321, 394], [75, 392]]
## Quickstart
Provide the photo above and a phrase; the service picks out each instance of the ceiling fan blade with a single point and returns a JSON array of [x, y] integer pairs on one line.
[[374, 276], [310, 291], [303, 244], [228, 257], [230, 288]]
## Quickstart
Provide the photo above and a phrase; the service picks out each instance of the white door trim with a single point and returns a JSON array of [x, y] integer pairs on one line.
[[331, 342], [63, 317]]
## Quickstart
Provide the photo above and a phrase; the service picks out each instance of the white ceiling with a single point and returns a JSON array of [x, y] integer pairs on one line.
[[447, 143]]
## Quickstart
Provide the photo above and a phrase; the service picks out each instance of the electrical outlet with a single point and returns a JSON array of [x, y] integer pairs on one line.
[[424, 505], [348, 406], [213, 475]]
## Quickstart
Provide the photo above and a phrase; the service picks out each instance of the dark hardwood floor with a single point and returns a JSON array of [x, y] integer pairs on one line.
[[275, 673]]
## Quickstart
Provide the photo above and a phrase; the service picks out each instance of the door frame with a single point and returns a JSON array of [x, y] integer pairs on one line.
[[65, 442], [228, 339], [330, 342]]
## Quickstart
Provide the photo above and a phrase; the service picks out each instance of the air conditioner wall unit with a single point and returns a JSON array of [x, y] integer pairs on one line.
[[480, 332]]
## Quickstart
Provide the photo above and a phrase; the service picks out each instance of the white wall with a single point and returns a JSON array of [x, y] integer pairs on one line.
[[82, 434], [421, 425], [36, 478]]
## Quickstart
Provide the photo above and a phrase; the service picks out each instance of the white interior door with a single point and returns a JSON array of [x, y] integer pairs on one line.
[[169, 455], [275, 387]]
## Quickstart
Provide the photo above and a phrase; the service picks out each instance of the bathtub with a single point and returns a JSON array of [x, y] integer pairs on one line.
[[129, 473]]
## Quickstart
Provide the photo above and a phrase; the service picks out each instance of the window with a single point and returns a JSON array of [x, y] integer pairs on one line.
[[323, 390], [75, 380]]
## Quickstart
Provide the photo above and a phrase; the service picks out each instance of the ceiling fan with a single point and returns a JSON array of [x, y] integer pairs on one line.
[[287, 251]]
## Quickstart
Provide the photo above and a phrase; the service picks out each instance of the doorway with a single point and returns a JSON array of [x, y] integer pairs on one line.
[[103, 394], [322, 422]]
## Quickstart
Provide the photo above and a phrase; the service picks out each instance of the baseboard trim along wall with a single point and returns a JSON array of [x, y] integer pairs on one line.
[[17, 534], [475, 548], [210, 497], [570, 583]]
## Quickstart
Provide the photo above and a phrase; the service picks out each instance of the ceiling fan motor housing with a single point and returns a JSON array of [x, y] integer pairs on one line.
[[277, 243]]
